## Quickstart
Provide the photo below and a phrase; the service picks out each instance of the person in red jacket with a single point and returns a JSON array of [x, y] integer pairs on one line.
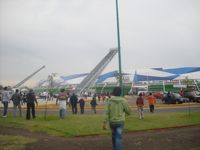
[[152, 100], [140, 104]]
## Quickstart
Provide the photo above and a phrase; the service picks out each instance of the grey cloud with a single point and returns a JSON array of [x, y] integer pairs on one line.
[[72, 36]]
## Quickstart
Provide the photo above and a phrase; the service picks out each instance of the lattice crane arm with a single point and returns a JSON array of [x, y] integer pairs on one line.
[[27, 78]]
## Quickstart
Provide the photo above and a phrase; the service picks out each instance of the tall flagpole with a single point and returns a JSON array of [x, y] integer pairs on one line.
[[119, 49]]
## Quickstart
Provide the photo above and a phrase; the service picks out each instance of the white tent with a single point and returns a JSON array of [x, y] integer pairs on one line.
[[193, 75], [153, 72]]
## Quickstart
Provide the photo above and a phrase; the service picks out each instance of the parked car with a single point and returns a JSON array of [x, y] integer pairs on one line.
[[193, 96], [174, 98], [158, 95]]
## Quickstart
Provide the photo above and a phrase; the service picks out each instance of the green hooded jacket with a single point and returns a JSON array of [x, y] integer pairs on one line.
[[116, 109]]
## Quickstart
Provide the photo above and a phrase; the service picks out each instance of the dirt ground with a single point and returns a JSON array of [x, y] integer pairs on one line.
[[184, 138]]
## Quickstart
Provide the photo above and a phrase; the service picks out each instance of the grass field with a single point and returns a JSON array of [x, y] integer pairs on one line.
[[8, 142], [81, 125]]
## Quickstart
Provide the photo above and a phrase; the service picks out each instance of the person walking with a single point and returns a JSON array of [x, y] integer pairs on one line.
[[16, 98], [74, 101], [82, 104], [24, 100], [168, 98], [31, 100], [93, 104], [140, 104], [61, 99], [152, 100], [115, 111], [51, 95], [5, 100]]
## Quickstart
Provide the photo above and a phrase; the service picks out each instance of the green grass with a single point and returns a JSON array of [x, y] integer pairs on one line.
[[81, 125], [163, 120], [197, 148], [8, 142]]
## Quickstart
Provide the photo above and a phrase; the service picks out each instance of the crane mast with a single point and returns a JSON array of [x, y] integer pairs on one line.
[[27, 78]]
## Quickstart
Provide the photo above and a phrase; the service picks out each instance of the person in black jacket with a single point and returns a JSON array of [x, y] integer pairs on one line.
[[74, 101], [93, 104], [31, 100], [16, 98], [82, 105]]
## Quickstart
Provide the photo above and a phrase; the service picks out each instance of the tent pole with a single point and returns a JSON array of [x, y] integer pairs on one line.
[[164, 86]]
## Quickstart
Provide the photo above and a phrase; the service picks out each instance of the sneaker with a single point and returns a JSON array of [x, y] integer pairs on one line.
[[4, 116]]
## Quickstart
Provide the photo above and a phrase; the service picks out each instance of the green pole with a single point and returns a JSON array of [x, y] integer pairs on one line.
[[119, 49]]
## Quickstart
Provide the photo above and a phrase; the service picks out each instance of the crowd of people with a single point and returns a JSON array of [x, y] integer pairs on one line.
[[71, 100], [18, 100], [116, 107], [65, 99]]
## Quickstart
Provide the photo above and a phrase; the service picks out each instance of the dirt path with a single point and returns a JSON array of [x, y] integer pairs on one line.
[[185, 138]]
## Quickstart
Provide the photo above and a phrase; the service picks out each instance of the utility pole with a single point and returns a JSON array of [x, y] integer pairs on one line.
[[119, 49]]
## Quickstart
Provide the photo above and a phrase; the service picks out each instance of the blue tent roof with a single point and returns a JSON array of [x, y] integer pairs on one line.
[[183, 70], [70, 77], [152, 78], [101, 78], [107, 75], [176, 71]]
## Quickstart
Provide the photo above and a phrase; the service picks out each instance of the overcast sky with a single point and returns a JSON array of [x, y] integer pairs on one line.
[[72, 36]]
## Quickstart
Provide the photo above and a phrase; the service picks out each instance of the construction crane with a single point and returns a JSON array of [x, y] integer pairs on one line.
[[27, 78], [91, 78]]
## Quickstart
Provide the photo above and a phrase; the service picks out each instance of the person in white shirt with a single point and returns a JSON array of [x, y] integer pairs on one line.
[[5, 101], [61, 100]]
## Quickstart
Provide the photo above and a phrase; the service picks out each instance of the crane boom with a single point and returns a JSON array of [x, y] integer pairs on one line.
[[91, 78], [27, 78]]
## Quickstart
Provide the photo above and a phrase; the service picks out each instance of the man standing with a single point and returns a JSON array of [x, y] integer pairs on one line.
[[168, 98], [5, 101], [115, 111], [152, 100], [82, 104], [140, 104], [93, 104], [31, 100], [74, 101], [61, 99], [16, 98]]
